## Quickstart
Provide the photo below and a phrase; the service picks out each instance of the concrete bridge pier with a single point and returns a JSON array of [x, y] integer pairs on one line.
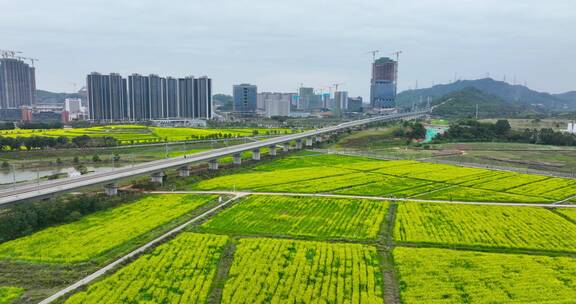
[[298, 144], [318, 139], [213, 164], [309, 142], [272, 150], [157, 177], [256, 154], [237, 159], [286, 147], [111, 189], [184, 171]]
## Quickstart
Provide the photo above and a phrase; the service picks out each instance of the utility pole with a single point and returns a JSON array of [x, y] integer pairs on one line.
[[476, 111], [14, 176], [38, 178]]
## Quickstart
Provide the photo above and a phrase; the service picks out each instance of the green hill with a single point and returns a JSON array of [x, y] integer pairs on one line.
[[514, 94], [462, 103]]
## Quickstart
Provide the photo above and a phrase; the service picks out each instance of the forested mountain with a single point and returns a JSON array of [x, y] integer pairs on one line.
[[513, 94]]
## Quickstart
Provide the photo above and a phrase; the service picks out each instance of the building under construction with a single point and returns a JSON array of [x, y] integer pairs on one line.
[[383, 83], [17, 82]]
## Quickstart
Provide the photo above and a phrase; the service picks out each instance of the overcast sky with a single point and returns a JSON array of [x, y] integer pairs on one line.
[[279, 44]]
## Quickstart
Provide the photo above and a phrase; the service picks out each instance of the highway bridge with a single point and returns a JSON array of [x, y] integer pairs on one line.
[[156, 168]]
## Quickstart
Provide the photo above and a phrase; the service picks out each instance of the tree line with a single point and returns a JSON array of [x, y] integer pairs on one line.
[[29, 217], [45, 142], [473, 130]]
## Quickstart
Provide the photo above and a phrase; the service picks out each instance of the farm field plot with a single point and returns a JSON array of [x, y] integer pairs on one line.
[[179, 271], [301, 216], [510, 182], [313, 173], [133, 134], [488, 226], [389, 186], [97, 234], [570, 213], [555, 188], [326, 184], [8, 294], [453, 276], [286, 271], [471, 194], [262, 179]]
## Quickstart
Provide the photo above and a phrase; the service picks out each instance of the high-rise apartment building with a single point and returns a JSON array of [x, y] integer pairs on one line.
[[340, 101], [156, 87], [141, 98], [203, 97], [107, 97], [171, 98], [383, 84], [186, 97], [17, 83], [245, 98], [355, 104], [275, 104]]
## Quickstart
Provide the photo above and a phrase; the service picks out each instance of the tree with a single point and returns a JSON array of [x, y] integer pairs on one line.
[[5, 165], [502, 127], [418, 131], [81, 141], [76, 160], [95, 158]]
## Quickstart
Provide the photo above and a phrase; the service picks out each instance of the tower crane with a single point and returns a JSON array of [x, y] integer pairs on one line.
[[32, 60], [9, 53], [397, 54], [374, 52], [336, 86]]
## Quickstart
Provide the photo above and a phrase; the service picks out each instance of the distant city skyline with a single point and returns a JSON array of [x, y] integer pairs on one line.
[[283, 44]]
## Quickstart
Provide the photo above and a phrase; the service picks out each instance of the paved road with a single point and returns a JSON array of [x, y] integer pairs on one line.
[[23, 192], [379, 198], [136, 252]]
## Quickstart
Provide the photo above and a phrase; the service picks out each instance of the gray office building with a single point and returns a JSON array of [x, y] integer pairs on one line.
[[17, 83], [245, 98]]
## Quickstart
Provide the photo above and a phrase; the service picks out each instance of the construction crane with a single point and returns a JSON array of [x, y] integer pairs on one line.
[[374, 52], [336, 86], [397, 54], [9, 53], [32, 60]]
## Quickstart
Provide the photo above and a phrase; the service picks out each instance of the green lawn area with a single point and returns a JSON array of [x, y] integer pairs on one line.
[[453, 276], [99, 234], [322, 218], [487, 226]]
